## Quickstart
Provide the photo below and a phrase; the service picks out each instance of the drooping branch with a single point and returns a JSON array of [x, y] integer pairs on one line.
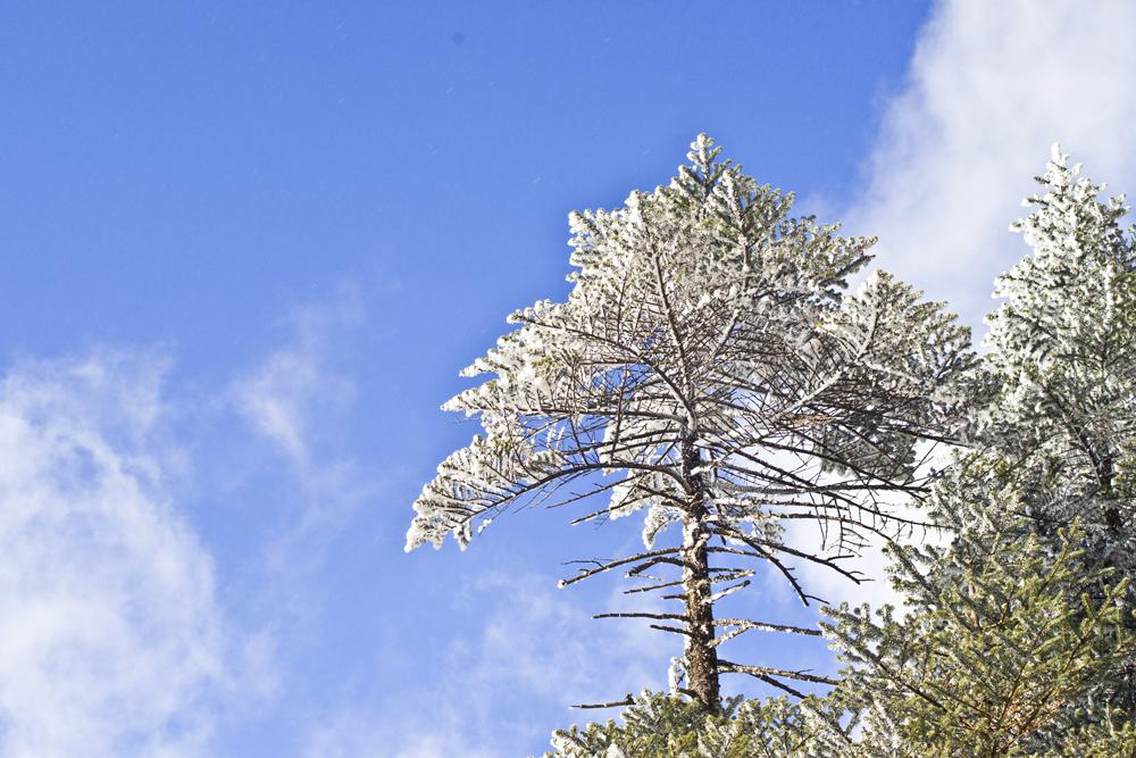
[[786, 571], [763, 547]]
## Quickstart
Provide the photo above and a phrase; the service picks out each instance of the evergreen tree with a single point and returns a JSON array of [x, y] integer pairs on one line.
[[1000, 645], [1062, 354], [1003, 641], [1017, 637], [1062, 359], [660, 725], [1020, 636], [709, 369]]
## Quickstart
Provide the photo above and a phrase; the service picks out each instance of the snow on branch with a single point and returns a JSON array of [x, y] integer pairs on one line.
[[709, 368]]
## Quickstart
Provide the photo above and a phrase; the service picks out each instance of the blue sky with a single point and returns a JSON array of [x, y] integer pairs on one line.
[[246, 248]]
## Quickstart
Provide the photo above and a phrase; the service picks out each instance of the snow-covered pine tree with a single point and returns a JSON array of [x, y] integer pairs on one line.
[[1062, 350], [1062, 354], [707, 369]]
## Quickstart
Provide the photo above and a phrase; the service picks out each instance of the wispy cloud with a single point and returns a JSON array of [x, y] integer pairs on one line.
[[990, 88], [114, 638], [535, 649], [297, 399], [545, 642], [292, 390], [111, 642]]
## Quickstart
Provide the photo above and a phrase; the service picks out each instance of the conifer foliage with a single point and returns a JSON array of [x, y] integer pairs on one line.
[[1063, 356], [660, 725], [1018, 635], [1004, 639], [707, 369], [1020, 638]]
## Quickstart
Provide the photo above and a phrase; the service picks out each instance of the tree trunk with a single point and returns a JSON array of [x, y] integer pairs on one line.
[[701, 656], [1106, 474]]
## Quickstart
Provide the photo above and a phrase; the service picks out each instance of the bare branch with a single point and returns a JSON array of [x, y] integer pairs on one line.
[[660, 616], [729, 667], [629, 700], [616, 564], [742, 626]]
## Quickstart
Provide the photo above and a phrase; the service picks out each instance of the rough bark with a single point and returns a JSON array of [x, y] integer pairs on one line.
[[700, 654]]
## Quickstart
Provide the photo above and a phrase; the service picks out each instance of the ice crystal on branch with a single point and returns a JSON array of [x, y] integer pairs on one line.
[[710, 369], [1063, 352]]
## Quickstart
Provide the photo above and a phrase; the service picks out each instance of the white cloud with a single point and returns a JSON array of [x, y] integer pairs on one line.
[[990, 87], [110, 639], [871, 563]]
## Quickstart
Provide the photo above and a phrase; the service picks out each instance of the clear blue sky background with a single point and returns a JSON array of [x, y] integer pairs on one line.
[[309, 216]]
